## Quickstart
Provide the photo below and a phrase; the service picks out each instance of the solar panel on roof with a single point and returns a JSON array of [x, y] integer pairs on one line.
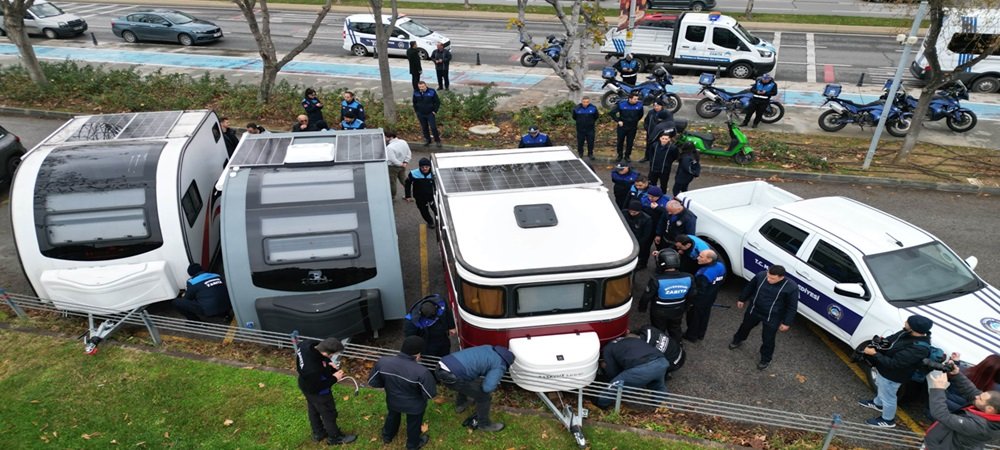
[[262, 152], [101, 128], [516, 176], [360, 146], [107, 127], [150, 125]]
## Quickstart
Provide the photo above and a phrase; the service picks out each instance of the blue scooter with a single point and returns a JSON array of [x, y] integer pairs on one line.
[[946, 105], [553, 48], [718, 100], [649, 91], [843, 112]]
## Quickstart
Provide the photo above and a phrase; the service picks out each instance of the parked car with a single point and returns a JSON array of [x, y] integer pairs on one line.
[[693, 5], [11, 151], [47, 19], [165, 25], [359, 35]]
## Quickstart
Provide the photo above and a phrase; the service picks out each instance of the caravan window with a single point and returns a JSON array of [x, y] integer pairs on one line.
[[486, 301], [974, 43], [98, 202], [192, 203], [554, 298]]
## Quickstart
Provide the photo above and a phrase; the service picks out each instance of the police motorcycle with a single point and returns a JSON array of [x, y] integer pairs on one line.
[[945, 105], [655, 88], [553, 47], [718, 100], [738, 148], [843, 112]]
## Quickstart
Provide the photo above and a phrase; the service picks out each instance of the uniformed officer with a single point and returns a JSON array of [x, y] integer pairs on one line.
[[627, 114], [585, 115], [642, 228], [671, 348], [534, 138], [628, 68], [707, 280], [419, 185], [352, 105], [689, 247], [670, 292], [763, 89], [351, 122], [623, 178]]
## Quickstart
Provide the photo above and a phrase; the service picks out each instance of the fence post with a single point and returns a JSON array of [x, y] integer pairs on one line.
[[13, 305], [618, 397], [833, 430]]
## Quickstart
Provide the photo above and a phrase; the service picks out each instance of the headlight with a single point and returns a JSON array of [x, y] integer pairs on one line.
[[63, 24], [764, 53]]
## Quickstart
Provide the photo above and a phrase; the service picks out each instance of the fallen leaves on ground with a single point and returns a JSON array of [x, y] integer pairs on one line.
[[227, 422]]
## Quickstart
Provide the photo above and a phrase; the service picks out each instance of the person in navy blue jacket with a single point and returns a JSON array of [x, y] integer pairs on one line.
[[670, 292], [689, 247], [763, 89], [314, 109], [628, 68], [627, 114], [707, 280], [630, 362], [663, 157], [205, 295], [351, 122], [688, 167], [430, 319], [475, 373], [677, 221], [534, 138], [419, 186], [426, 104], [773, 301], [317, 375], [352, 105], [623, 178], [408, 386], [642, 229], [585, 115]]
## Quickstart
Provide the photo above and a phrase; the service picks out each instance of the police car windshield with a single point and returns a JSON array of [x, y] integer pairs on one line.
[[927, 273], [746, 34], [415, 28]]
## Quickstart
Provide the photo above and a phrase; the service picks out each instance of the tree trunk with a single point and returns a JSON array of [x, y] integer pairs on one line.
[[267, 78], [15, 30], [468, 5], [389, 111], [926, 95], [748, 13]]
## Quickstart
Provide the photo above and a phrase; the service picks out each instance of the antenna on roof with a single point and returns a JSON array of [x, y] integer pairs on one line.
[[898, 243]]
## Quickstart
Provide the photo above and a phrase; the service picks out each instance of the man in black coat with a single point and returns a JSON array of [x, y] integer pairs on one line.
[[442, 59], [642, 229], [419, 185], [317, 375], [229, 136], [430, 319], [670, 291], [651, 123], [627, 114], [408, 386], [895, 360], [413, 57], [969, 428], [426, 104], [585, 115], [677, 221], [630, 362], [773, 301], [663, 157]]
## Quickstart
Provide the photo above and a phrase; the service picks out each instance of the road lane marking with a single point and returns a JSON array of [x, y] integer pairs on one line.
[[777, 45], [424, 274], [105, 9], [810, 57], [901, 415], [828, 73]]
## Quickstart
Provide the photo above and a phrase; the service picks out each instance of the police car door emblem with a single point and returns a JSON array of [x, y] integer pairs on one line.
[[834, 312], [991, 324]]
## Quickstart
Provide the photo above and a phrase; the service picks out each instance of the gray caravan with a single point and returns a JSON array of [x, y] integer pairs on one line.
[[308, 234]]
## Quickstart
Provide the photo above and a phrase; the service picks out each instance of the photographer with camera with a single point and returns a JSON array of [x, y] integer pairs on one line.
[[895, 358], [969, 428]]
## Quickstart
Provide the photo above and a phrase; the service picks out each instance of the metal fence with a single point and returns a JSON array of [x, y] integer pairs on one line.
[[821, 425]]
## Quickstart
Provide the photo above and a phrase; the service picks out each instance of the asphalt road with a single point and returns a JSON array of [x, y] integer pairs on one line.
[[823, 57], [806, 375]]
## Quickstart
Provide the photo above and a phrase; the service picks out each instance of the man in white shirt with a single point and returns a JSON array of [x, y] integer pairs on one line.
[[397, 153]]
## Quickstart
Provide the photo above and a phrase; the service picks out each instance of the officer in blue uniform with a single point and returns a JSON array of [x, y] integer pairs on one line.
[[623, 178], [352, 105], [351, 122], [419, 186], [763, 89], [585, 115], [534, 138], [689, 247], [628, 68], [627, 114], [205, 295], [670, 292], [707, 280]]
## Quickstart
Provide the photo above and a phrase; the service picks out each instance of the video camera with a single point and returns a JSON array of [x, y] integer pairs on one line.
[[878, 343], [945, 367]]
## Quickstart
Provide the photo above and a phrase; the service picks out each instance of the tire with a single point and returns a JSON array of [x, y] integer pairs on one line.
[[899, 127], [741, 70], [967, 123], [11, 166], [707, 108], [743, 158], [775, 111], [723, 258], [527, 61], [985, 85], [642, 64], [359, 50], [129, 37], [50, 33], [610, 99], [830, 121], [423, 54], [697, 7], [185, 39], [672, 101]]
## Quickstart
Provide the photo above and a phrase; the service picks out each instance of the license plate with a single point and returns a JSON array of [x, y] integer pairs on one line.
[[77, 28]]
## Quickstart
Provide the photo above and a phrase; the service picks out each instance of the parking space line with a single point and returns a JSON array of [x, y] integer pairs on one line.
[[105, 9], [777, 46], [828, 73], [424, 274], [810, 57], [901, 415]]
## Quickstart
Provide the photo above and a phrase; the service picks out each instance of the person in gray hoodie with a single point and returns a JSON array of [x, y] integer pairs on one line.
[[475, 373], [971, 427]]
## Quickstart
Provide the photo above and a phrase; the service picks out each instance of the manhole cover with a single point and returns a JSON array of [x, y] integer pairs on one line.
[[484, 130]]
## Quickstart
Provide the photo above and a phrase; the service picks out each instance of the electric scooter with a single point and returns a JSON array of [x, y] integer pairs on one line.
[[738, 147]]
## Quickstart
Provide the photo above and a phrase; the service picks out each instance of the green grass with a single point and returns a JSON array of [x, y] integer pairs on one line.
[[57, 397]]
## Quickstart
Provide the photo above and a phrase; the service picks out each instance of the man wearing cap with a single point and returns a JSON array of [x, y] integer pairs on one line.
[[317, 375], [408, 385], [763, 89], [894, 362], [654, 203], [773, 301], [204, 296], [585, 115], [351, 122], [397, 154], [534, 139], [664, 155], [419, 185], [628, 68], [642, 228], [623, 177], [626, 114], [474, 373]]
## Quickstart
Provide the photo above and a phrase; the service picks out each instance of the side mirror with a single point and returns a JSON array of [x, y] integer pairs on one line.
[[972, 261], [855, 290]]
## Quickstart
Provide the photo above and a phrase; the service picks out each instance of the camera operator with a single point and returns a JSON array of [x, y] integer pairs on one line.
[[895, 358], [969, 428]]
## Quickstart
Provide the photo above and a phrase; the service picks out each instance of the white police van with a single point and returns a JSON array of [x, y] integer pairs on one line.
[[359, 35], [966, 34], [861, 272]]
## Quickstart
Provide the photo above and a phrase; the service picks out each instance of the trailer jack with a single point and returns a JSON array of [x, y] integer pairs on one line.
[[94, 336], [572, 420]]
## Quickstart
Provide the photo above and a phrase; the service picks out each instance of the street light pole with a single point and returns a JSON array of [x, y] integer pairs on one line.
[[631, 28], [907, 41]]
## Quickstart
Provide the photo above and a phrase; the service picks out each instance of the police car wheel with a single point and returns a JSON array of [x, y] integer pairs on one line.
[[359, 50], [741, 70], [423, 54]]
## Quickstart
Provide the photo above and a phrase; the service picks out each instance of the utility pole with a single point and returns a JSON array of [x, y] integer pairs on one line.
[[907, 41], [631, 28]]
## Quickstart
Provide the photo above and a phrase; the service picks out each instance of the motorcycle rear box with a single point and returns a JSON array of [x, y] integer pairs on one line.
[[555, 363], [831, 91], [608, 73], [706, 79]]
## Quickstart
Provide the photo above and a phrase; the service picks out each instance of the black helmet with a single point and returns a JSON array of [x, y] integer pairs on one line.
[[668, 259], [660, 72]]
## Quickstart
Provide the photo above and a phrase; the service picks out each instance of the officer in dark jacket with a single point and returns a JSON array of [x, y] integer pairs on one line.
[[654, 203], [895, 360], [629, 361], [426, 104], [688, 167], [707, 281], [475, 374], [350, 104], [763, 89], [351, 122], [314, 109], [650, 123], [671, 348], [408, 385], [628, 68], [586, 116], [664, 154], [689, 247], [534, 138], [773, 301], [969, 428], [317, 375], [642, 228], [419, 185], [228, 136], [442, 59], [670, 292], [627, 114], [677, 221], [430, 319], [413, 57], [623, 177], [204, 296]]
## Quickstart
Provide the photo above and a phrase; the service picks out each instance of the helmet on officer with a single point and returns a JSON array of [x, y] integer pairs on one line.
[[668, 259]]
